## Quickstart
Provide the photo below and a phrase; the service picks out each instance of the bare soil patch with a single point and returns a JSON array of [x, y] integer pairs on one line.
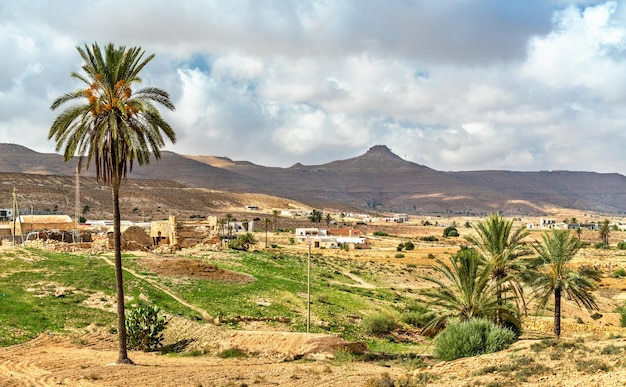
[[184, 267]]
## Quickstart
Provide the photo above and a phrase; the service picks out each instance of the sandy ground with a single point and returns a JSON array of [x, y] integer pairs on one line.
[[87, 358]]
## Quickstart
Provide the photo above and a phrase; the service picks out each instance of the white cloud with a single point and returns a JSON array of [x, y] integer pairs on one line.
[[459, 84]]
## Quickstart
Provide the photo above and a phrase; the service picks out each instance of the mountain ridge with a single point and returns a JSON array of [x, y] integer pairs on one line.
[[377, 180]]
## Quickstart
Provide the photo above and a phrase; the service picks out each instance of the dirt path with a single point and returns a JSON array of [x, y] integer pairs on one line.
[[205, 315], [360, 281]]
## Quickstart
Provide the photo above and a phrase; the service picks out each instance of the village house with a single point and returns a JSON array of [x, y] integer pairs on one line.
[[331, 239]]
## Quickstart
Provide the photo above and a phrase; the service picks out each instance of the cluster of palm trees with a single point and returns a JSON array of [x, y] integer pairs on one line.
[[489, 279]]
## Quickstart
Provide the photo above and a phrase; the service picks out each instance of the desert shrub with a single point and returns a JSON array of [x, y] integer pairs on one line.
[[611, 350], [430, 256], [621, 245], [591, 366], [429, 238], [243, 242], [399, 255], [416, 314], [408, 245], [144, 327], [619, 272], [379, 324], [232, 353], [601, 246], [400, 247], [380, 233], [450, 231], [470, 338], [383, 381], [622, 315]]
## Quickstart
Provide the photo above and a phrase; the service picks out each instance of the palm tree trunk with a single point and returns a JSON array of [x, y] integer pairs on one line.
[[117, 245], [557, 312], [499, 303]]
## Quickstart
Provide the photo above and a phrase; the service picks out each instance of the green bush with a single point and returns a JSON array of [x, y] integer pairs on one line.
[[430, 238], [416, 314], [400, 247], [380, 233], [601, 246], [621, 245], [450, 231], [379, 324], [230, 353], [409, 245], [619, 273], [144, 327], [471, 338], [622, 315], [399, 255], [243, 242]]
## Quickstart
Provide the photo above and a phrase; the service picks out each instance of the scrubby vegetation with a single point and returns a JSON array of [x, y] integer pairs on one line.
[[145, 325], [473, 337]]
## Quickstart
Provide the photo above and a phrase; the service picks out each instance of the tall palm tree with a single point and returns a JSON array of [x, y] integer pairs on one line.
[[502, 247], [114, 126], [555, 277], [465, 289]]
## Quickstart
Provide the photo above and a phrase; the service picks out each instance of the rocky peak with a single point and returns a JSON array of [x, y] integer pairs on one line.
[[381, 152]]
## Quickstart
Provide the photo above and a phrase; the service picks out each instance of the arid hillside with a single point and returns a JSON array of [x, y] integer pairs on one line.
[[141, 199], [377, 181]]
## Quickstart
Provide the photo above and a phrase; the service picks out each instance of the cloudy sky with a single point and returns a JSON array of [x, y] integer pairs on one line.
[[454, 85]]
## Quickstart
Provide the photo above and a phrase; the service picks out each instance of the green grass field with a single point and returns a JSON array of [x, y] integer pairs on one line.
[[43, 291]]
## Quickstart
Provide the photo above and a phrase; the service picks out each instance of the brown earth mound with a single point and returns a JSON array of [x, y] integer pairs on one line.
[[192, 268]]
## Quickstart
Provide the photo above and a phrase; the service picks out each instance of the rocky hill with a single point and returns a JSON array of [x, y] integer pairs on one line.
[[377, 181]]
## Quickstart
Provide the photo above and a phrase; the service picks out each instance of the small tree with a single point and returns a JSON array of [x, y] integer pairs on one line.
[[605, 231], [145, 325], [266, 223], [555, 278], [229, 218], [243, 242], [408, 245], [316, 216], [275, 214], [450, 231]]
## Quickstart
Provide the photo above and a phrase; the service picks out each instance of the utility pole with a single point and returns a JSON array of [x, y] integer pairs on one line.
[[16, 216], [308, 291]]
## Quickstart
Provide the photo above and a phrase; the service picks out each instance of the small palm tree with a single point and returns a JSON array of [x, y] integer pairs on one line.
[[266, 223], [555, 277], [275, 214], [114, 126], [503, 248], [229, 218], [605, 231], [467, 290]]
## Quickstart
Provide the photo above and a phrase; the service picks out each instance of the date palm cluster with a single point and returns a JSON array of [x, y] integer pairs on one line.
[[493, 278]]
